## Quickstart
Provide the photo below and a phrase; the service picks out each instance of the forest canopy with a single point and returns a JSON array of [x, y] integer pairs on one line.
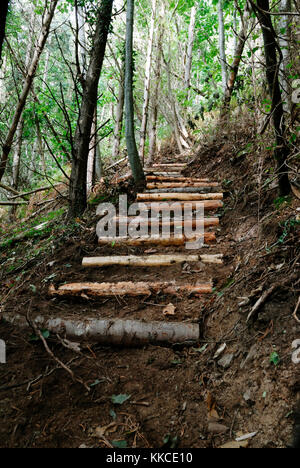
[[190, 64]]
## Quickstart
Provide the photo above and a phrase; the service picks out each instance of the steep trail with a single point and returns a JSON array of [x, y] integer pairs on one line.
[[154, 269]]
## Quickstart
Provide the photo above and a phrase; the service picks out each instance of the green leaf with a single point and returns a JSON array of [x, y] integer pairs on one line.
[[119, 443], [274, 358], [120, 399], [45, 334]]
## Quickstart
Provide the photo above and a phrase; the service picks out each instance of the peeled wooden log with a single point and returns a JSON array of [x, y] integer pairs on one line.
[[151, 178], [184, 190], [166, 185], [114, 332], [149, 261], [209, 238], [174, 222], [165, 207], [128, 289], [179, 196], [169, 166], [162, 173]]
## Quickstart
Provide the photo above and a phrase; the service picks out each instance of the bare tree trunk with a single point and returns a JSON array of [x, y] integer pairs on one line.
[[284, 34], [90, 177], [135, 162], [147, 84], [236, 62], [3, 15], [77, 191], [189, 55], [272, 71], [222, 45], [154, 107], [119, 116], [6, 148]]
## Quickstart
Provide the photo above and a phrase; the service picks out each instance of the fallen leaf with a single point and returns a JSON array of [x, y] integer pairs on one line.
[[101, 431], [120, 399], [211, 406], [296, 191], [169, 310], [220, 350], [235, 445]]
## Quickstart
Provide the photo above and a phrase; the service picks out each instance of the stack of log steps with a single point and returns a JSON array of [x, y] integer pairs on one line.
[[165, 183]]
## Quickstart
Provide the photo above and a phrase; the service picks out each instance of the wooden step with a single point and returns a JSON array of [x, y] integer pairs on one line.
[[178, 196], [207, 222], [165, 206], [209, 238], [150, 260], [185, 190], [168, 166], [156, 172], [129, 289], [174, 179], [166, 185]]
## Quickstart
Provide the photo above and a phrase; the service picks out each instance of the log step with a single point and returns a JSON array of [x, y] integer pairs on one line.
[[167, 185], [169, 166], [179, 196], [174, 222], [128, 289], [151, 178], [184, 190], [165, 206], [150, 260], [209, 238], [156, 172], [115, 332]]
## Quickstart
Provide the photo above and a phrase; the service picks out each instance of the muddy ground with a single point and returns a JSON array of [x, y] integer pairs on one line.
[[181, 397]]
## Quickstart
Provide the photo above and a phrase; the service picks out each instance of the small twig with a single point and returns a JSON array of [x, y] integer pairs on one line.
[[52, 355], [261, 301], [296, 310]]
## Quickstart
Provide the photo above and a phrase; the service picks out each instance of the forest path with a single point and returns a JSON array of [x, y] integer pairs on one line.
[[165, 186]]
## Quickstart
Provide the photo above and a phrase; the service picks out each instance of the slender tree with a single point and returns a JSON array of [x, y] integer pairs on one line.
[[262, 10], [284, 35], [147, 84], [238, 53], [3, 15], [189, 54], [6, 148], [77, 190], [133, 155], [222, 45]]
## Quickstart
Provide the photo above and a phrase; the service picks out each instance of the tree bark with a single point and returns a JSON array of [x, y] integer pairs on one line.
[[77, 191], [6, 148], [135, 162], [281, 151]]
